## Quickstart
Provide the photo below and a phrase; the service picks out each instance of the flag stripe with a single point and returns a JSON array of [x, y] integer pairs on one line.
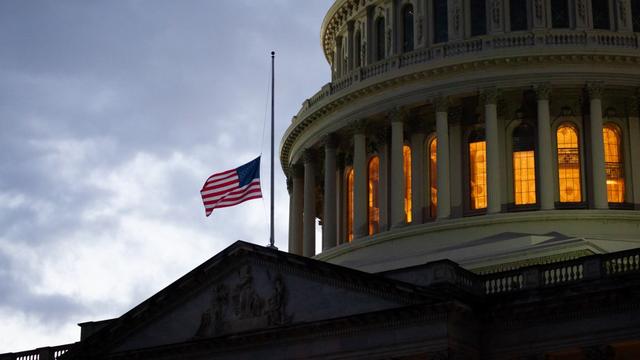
[[233, 196], [222, 183], [220, 190], [221, 176], [208, 195]]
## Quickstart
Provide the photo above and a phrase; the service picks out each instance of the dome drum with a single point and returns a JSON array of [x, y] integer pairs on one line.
[[507, 142]]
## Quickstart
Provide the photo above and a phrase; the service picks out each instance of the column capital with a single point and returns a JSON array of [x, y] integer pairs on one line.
[[330, 141], [595, 90], [542, 90], [397, 114], [358, 126], [441, 103], [489, 96], [381, 135], [309, 156], [289, 185], [417, 124], [454, 115], [296, 170]]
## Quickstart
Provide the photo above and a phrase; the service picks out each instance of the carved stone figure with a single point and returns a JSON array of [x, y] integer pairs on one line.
[[212, 320], [246, 303]]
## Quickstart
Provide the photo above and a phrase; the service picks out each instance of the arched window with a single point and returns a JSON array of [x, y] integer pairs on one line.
[[600, 11], [433, 177], [477, 170], [380, 47], [350, 204], [569, 184], [478, 11], [406, 156], [635, 15], [613, 162], [356, 51], [524, 166], [559, 14], [372, 194], [518, 14], [407, 28], [440, 21]]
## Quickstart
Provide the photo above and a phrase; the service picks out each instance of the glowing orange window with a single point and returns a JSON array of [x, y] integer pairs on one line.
[[478, 174], [524, 165], [613, 163], [373, 186], [568, 164], [433, 177], [406, 152], [350, 205]]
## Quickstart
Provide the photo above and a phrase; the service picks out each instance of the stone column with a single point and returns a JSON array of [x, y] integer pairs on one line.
[[359, 182], [309, 214], [397, 216], [418, 181], [455, 159], [295, 211], [494, 203], [329, 230], [341, 199], [545, 168], [598, 175], [442, 158], [383, 184]]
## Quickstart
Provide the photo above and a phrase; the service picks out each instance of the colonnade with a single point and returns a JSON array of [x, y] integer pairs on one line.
[[303, 187]]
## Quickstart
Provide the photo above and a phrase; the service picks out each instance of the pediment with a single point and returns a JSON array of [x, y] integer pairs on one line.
[[253, 289]]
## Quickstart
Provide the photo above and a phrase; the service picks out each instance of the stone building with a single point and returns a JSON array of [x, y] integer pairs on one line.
[[475, 167]]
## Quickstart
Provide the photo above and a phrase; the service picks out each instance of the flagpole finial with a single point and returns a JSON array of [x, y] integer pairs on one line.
[[273, 53]]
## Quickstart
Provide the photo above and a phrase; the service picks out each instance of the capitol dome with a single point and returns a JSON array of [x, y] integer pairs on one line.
[[497, 134]]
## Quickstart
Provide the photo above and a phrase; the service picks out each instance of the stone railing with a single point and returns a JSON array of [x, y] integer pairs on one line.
[[587, 268], [591, 40], [542, 276], [44, 353]]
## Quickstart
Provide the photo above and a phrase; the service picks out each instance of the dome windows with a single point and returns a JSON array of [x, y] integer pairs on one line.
[[440, 21], [524, 168], [569, 182], [380, 41], [407, 28], [433, 177], [373, 191], [477, 171], [518, 15], [600, 11], [614, 166], [406, 166]]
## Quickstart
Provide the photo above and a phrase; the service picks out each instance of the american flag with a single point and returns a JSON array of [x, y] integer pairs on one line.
[[232, 187]]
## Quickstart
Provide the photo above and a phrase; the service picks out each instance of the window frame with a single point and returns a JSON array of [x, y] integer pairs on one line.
[[466, 171], [576, 122], [621, 123], [510, 178]]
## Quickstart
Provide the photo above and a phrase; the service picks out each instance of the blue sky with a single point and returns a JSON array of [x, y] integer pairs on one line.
[[112, 115]]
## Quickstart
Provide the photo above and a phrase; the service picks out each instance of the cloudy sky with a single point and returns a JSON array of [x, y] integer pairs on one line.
[[112, 114]]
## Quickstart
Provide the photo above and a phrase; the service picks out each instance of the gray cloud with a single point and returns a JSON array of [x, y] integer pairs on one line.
[[112, 113]]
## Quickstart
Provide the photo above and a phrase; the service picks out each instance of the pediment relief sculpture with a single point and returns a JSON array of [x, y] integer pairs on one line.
[[241, 306]]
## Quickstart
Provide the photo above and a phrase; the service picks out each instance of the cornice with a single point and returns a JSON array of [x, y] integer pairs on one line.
[[340, 99]]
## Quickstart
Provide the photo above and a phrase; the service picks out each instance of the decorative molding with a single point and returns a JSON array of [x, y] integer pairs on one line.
[[309, 156], [542, 91], [496, 6], [330, 102], [441, 103], [595, 90], [622, 11], [489, 96], [397, 114]]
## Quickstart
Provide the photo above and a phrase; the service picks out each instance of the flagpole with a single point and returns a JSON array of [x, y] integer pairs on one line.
[[271, 237]]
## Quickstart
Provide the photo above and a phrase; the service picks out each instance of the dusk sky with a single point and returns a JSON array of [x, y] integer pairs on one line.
[[112, 115]]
